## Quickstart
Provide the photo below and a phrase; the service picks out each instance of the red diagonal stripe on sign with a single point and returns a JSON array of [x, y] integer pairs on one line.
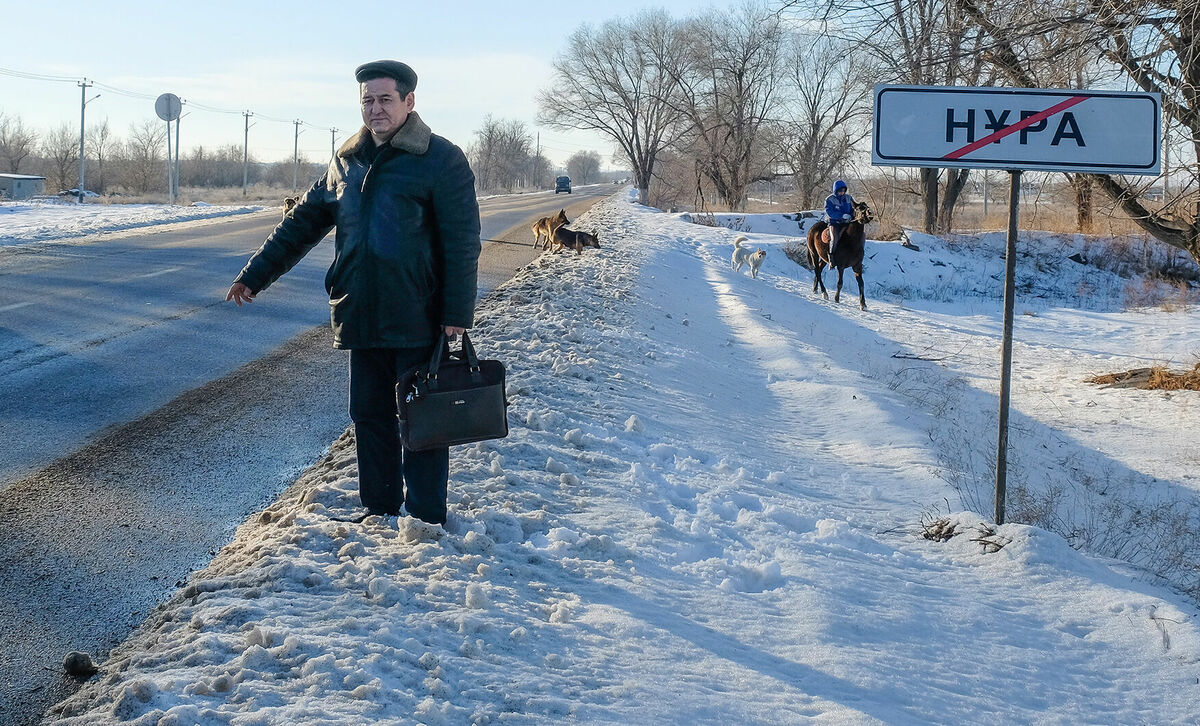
[[1015, 127]]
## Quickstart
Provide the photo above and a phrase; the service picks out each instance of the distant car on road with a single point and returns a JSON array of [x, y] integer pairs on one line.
[[562, 184]]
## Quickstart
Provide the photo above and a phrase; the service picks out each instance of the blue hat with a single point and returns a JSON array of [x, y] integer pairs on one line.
[[839, 184]]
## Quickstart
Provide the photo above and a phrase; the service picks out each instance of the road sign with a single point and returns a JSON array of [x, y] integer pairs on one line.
[[1099, 132], [168, 106]]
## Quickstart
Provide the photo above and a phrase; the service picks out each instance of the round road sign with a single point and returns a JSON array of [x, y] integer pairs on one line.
[[168, 107]]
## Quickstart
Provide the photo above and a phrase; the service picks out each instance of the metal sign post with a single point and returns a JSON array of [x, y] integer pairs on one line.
[[1096, 132], [1010, 294], [168, 106]]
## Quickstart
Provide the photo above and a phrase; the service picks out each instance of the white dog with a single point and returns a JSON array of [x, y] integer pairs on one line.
[[743, 256]]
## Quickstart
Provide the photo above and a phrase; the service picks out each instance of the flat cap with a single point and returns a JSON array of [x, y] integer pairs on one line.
[[388, 68]]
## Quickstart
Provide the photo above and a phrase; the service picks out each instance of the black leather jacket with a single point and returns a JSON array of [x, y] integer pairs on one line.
[[407, 241]]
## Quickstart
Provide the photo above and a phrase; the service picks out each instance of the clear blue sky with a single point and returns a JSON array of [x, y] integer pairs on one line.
[[293, 60]]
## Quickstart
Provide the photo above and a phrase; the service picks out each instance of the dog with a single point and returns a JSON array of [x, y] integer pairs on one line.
[[569, 238], [743, 256], [546, 226], [289, 203]]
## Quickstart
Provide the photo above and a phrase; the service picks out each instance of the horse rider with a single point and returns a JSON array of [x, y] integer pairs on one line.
[[839, 212]]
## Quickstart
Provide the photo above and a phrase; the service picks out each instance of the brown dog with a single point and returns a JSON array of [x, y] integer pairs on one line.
[[546, 226], [573, 239], [289, 203]]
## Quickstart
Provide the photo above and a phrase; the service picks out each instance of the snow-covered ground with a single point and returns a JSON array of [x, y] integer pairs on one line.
[[38, 220], [709, 511]]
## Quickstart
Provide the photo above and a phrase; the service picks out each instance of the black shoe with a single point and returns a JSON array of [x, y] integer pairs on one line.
[[369, 513]]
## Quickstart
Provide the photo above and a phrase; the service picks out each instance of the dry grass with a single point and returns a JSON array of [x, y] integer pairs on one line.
[[1157, 378], [1149, 291], [255, 194], [940, 529]]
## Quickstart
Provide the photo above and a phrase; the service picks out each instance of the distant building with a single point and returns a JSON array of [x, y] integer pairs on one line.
[[21, 186]]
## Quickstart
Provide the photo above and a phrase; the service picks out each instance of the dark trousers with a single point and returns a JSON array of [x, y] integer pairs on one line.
[[389, 474]]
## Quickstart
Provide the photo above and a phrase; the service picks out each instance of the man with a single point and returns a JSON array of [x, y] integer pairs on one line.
[[404, 271], [839, 211]]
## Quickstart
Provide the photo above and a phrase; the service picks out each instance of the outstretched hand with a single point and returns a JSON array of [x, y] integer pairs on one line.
[[239, 293]]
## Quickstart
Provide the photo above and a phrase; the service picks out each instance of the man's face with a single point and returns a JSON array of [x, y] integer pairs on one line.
[[840, 192], [383, 110]]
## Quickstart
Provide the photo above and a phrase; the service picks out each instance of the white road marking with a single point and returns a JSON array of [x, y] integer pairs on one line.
[[160, 272]]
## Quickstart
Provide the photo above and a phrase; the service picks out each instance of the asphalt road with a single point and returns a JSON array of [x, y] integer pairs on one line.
[[143, 419]]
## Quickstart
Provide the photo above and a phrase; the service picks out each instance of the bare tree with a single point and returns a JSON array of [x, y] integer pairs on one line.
[[540, 170], [145, 166], [16, 142], [729, 83], [922, 42], [1060, 54], [280, 174], [102, 144], [826, 112], [500, 155], [1156, 44], [61, 150], [583, 166], [614, 80]]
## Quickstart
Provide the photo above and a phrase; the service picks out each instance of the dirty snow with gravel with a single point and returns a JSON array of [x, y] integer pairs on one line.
[[39, 220], [709, 511]]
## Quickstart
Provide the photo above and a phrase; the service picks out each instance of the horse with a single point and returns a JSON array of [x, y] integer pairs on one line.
[[849, 252]]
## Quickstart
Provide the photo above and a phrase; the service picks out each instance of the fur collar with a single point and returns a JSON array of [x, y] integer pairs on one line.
[[412, 137]]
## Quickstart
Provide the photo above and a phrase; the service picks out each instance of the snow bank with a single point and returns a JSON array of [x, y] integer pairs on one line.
[[707, 512], [774, 224], [34, 221]]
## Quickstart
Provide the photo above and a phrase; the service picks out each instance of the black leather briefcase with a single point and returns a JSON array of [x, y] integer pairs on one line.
[[456, 399]]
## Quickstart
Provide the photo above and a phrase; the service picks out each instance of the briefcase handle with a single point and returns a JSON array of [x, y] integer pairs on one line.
[[442, 349]]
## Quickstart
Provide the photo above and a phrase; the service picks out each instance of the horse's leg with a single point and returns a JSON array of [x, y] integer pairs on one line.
[[814, 259], [862, 298], [819, 267], [837, 296]]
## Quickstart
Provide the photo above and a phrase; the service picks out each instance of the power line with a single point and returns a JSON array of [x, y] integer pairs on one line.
[[36, 76], [214, 109], [123, 92], [145, 96]]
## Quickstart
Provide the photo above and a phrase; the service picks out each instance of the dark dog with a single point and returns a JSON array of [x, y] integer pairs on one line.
[[569, 238]]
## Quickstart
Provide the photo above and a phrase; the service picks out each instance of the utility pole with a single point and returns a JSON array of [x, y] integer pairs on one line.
[[537, 163], [83, 86], [332, 143], [296, 158], [246, 152]]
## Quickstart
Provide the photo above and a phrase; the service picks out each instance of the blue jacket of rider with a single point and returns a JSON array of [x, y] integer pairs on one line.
[[837, 207]]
